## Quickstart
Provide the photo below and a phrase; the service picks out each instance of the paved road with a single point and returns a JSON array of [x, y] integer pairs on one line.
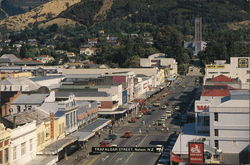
[[180, 92]]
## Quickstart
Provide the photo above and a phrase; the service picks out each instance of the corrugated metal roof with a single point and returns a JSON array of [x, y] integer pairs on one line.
[[46, 78], [30, 99], [11, 57], [92, 126], [29, 116], [81, 94]]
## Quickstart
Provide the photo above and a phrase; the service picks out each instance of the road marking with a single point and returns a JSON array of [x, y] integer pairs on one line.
[[138, 145], [119, 159], [103, 159]]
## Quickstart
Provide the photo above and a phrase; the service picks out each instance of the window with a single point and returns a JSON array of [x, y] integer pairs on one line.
[[14, 153], [6, 155], [216, 116], [216, 143], [18, 109], [248, 71], [31, 145], [206, 121], [23, 148], [216, 132], [248, 80]]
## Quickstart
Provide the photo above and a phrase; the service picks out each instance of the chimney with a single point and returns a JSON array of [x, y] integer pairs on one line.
[[14, 121]]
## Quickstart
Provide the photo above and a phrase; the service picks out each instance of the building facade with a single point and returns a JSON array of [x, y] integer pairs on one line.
[[237, 68]]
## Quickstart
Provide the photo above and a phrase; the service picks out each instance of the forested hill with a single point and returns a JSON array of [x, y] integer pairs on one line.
[[179, 13]]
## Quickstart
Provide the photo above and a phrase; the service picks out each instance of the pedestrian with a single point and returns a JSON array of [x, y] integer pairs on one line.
[[140, 130], [167, 129]]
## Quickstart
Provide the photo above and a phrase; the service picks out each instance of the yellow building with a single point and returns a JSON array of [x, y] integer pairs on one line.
[[49, 131], [4, 145], [15, 75]]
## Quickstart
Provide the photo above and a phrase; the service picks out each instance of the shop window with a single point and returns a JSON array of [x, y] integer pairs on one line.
[[14, 153], [6, 155]]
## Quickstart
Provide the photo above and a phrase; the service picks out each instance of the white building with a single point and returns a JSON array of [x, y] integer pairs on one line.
[[160, 60], [239, 67], [229, 124], [88, 51], [23, 144]]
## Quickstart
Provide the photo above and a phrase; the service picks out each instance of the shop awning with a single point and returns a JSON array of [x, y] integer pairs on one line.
[[43, 160], [115, 112], [58, 145], [87, 132]]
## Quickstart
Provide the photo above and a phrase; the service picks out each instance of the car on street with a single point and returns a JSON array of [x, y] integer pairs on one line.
[[163, 107], [159, 148], [132, 120], [163, 160], [139, 115], [156, 104], [127, 134], [177, 108], [148, 113], [104, 144], [110, 138]]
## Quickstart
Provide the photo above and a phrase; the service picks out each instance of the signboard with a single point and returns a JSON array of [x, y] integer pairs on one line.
[[202, 107], [126, 149], [243, 63], [51, 115], [196, 152], [215, 66]]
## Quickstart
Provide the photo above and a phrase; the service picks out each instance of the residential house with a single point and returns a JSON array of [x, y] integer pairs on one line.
[[88, 51], [70, 54], [92, 41], [45, 59]]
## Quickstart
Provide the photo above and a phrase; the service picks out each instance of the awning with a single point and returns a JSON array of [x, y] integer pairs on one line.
[[115, 112], [87, 132], [43, 160], [83, 136], [58, 145]]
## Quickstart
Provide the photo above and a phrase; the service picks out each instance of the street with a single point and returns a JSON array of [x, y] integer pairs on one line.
[[145, 134]]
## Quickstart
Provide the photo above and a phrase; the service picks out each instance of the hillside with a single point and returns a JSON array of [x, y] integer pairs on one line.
[[42, 13]]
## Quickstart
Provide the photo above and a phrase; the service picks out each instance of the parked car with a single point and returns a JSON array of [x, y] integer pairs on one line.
[[127, 134], [132, 120], [177, 108], [110, 138], [156, 104], [104, 144], [139, 115], [163, 107], [148, 113], [163, 160]]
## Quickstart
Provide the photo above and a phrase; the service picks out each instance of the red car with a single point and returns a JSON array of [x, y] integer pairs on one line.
[[127, 134], [132, 120], [104, 144]]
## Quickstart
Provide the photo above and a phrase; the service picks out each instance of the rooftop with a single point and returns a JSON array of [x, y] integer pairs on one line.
[[221, 78], [81, 94], [29, 116], [30, 99], [46, 78], [11, 57], [20, 81], [215, 92]]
